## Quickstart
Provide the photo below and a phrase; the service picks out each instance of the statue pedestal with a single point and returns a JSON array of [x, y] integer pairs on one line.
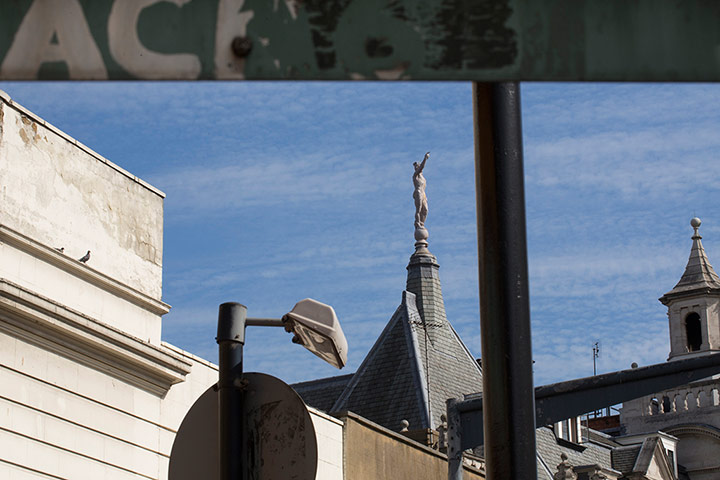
[[421, 236]]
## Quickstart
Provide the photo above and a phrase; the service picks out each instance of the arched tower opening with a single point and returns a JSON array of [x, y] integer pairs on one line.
[[693, 332]]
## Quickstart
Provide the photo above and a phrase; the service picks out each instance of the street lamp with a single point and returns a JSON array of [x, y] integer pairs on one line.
[[317, 328], [314, 325]]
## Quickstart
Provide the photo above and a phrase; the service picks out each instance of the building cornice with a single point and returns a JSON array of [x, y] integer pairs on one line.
[[695, 292], [693, 429], [82, 271], [59, 329]]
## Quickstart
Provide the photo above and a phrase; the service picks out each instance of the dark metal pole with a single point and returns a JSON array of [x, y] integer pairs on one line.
[[508, 396], [454, 440], [230, 339]]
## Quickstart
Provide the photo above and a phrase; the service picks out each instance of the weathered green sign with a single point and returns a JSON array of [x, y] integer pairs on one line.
[[483, 40]]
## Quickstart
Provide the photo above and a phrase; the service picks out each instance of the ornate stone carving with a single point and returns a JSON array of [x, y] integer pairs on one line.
[[598, 475], [565, 470], [442, 433]]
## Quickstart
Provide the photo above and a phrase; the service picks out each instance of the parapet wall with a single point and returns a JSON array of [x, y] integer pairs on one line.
[[372, 451], [60, 193]]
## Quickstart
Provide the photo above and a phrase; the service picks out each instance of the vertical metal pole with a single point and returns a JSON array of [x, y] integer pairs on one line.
[[508, 396], [230, 339], [454, 441]]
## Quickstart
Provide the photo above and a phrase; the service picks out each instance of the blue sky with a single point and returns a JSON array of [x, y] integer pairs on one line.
[[281, 191]]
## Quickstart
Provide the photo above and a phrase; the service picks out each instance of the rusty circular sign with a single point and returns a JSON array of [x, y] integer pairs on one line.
[[278, 426]]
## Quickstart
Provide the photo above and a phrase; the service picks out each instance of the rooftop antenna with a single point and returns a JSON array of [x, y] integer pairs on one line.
[[596, 355]]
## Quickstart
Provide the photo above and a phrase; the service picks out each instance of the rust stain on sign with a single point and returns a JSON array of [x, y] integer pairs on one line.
[[193, 39], [485, 40]]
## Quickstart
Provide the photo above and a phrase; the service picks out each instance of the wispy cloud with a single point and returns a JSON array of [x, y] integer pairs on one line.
[[279, 191]]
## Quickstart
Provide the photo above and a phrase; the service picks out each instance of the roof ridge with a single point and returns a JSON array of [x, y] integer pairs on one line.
[[376, 378], [334, 378]]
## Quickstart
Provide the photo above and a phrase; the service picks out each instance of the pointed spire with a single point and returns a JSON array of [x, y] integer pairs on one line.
[[699, 274], [423, 280]]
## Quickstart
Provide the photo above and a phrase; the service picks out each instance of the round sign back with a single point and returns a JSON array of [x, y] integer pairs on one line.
[[278, 426]]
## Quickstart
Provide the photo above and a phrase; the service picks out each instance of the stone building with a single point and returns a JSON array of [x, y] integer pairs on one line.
[[87, 387], [690, 413]]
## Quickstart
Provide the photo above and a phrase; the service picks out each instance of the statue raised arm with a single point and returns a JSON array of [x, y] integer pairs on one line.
[[421, 205]]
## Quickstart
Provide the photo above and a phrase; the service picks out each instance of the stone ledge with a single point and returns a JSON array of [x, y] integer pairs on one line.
[[58, 329], [82, 271]]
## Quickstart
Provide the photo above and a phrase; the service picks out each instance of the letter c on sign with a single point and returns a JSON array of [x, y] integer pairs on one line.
[[126, 49]]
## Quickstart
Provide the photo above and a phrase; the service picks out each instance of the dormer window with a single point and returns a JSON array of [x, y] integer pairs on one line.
[[693, 332], [569, 430]]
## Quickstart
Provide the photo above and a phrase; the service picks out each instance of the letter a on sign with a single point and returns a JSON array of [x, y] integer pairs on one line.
[[53, 31]]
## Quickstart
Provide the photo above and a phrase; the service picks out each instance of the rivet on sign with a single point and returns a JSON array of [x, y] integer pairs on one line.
[[241, 46]]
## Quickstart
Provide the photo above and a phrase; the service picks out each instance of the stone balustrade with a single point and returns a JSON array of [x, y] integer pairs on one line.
[[700, 395]]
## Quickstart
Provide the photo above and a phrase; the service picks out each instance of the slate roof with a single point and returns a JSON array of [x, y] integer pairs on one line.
[[549, 451], [699, 274], [322, 393], [638, 458], [417, 363], [389, 387], [623, 458]]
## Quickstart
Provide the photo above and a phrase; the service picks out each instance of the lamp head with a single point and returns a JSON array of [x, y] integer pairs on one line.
[[316, 327]]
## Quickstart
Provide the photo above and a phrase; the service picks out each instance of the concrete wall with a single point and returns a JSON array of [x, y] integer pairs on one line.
[[56, 193], [373, 452], [62, 419], [87, 387], [48, 273], [62, 194]]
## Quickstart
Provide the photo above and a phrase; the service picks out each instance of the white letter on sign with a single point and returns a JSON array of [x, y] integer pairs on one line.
[[53, 32], [231, 23], [127, 50]]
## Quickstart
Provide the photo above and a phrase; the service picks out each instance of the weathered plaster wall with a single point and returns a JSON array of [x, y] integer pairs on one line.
[[62, 194], [373, 452]]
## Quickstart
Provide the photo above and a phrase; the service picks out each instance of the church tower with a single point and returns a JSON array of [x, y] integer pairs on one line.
[[694, 305]]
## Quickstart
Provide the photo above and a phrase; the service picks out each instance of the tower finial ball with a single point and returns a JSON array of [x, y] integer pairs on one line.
[[695, 222]]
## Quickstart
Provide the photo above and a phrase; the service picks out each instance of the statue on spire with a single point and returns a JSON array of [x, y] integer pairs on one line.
[[421, 205]]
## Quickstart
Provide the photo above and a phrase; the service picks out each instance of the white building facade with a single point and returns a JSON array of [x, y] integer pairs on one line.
[[87, 387], [88, 390]]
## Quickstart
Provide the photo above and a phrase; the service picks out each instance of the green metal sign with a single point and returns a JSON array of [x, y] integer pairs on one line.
[[484, 40]]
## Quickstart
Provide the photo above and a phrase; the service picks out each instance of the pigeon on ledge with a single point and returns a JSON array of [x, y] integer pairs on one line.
[[85, 258]]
